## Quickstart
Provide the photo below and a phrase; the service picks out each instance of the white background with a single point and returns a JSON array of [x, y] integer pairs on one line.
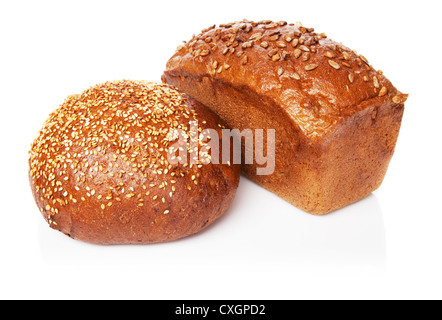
[[387, 246]]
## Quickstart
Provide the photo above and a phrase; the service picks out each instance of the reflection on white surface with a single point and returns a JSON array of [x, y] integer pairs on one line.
[[260, 232], [272, 232]]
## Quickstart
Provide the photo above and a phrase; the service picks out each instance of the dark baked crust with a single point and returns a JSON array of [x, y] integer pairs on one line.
[[99, 169], [336, 118]]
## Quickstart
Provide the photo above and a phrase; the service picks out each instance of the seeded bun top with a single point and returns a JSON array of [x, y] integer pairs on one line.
[[286, 61], [100, 172]]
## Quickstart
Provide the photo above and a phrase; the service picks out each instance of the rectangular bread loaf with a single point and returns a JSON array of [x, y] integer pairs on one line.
[[336, 118]]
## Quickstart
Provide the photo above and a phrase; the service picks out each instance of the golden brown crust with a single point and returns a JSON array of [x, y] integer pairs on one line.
[[306, 87], [100, 173], [286, 63]]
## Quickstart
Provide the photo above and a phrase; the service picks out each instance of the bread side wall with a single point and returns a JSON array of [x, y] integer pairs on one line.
[[295, 159]]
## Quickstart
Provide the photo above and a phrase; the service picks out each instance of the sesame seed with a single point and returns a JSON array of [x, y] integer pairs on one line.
[[364, 59], [334, 64], [264, 44], [383, 92], [204, 53], [297, 53], [276, 57], [346, 55], [311, 67], [305, 56], [304, 48], [329, 54], [400, 99], [256, 36], [376, 82], [295, 76], [272, 52], [351, 77]]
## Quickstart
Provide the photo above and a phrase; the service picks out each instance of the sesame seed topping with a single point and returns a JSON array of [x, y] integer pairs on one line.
[[304, 48], [256, 36], [334, 64], [400, 98], [272, 52], [276, 57], [329, 54], [115, 129], [364, 59], [264, 44], [295, 76], [274, 37], [204, 53], [311, 67], [346, 55], [351, 77], [293, 48], [383, 92], [305, 56], [376, 82], [297, 53]]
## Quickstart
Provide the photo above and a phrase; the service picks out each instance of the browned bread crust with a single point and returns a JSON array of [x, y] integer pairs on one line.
[[336, 118], [99, 169]]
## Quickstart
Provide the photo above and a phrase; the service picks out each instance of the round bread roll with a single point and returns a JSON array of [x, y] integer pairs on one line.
[[100, 172]]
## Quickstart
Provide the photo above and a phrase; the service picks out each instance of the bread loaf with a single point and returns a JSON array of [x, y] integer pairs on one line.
[[336, 118], [100, 173]]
